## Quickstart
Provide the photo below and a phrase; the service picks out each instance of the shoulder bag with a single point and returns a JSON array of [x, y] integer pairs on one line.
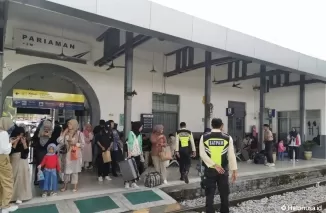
[[64, 148]]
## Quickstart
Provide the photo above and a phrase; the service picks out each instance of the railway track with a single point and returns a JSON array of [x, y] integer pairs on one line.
[[235, 202]]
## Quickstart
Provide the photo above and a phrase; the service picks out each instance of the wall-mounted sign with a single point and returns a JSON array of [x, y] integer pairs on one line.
[[229, 111], [28, 40], [47, 100], [47, 96], [271, 113], [147, 121]]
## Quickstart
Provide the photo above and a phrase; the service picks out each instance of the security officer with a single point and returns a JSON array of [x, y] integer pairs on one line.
[[217, 152], [185, 149]]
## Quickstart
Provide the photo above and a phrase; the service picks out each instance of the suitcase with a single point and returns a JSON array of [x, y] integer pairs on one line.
[[128, 169]]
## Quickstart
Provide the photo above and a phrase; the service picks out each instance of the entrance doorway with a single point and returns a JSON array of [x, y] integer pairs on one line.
[[236, 123], [53, 71], [166, 111]]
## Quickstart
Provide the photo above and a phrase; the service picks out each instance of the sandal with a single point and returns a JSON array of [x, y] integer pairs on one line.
[[44, 194], [53, 194], [63, 189], [74, 190]]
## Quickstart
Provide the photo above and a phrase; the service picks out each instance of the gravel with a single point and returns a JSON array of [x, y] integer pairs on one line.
[[236, 195], [288, 202]]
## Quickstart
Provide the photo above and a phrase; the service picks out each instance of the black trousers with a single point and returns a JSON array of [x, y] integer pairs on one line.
[[212, 180], [39, 155], [116, 157], [296, 151], [185, 161], [103, 169], [269, 151]]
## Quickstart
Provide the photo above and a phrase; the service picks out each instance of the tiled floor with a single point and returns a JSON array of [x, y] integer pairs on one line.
[[89, 186]]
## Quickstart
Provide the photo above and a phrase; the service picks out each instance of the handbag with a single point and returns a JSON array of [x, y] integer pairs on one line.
[[153, 179], [106, 156], [165, 154], [64, 149]]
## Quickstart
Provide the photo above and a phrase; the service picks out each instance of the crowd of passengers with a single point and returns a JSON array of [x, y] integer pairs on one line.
[[61, 152]]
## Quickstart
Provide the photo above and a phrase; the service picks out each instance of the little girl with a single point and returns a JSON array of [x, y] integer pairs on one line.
[[281, 150], [51, 165]]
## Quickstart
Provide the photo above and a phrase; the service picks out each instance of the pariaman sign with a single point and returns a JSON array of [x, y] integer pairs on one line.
[[24, 39]]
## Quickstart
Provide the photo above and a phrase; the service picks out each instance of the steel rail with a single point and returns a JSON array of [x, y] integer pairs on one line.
[[237, 201]]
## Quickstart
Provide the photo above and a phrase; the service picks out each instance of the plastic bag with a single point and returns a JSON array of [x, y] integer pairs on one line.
[[40, 175], [73, 153]]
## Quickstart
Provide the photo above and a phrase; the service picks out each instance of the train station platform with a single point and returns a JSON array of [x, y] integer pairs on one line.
[[111, 196]]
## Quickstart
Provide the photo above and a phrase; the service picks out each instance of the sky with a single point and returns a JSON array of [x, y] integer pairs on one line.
[[295, 24]]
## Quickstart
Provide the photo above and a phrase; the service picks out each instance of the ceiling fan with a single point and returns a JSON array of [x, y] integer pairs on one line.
[[237, 85], [112, 66]]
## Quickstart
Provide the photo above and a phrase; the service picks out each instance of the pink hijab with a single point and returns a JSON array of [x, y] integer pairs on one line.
[[87, 130]]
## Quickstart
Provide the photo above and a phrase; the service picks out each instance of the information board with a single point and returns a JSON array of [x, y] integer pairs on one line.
[[147, 121]]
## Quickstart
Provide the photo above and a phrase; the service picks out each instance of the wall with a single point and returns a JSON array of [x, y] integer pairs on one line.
[[108, 85]]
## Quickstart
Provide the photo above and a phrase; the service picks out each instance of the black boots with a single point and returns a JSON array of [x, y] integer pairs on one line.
[[186, 178]]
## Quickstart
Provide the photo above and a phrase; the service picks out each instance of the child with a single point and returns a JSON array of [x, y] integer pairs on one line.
[[51, 165], [281, 150]]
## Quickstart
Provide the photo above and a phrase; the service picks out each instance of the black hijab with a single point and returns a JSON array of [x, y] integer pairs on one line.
[[135, 126], [294, 133]]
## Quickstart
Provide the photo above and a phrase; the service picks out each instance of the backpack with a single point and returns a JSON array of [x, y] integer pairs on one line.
[[152, 179]]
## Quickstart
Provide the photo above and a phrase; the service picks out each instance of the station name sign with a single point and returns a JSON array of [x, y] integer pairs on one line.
[[29, 40]]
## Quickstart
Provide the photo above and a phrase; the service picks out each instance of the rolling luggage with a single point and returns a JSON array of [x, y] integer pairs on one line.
[[128, 169]]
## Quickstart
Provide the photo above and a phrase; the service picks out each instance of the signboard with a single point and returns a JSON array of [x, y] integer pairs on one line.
[[28, 40], [229, 111], [271, 113], [47, 104], [47, 96], [47, 100], [147, 121]]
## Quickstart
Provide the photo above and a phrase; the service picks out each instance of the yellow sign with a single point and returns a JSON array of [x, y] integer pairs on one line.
[[47, 96]]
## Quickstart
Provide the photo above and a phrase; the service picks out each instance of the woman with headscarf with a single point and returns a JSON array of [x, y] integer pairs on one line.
[[294, 144], [159, 141], [72, 142], [6, 177], [134, 145], [19, 161], [41, 142], [87, 150]]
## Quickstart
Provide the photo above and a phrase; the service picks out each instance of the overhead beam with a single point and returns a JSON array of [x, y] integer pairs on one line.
[[137, 40], [297, 83], [216, 62], [247, 77], [178, 50]]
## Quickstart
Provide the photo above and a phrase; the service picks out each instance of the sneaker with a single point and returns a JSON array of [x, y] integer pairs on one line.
[[19, 202], [53, 194], [271, 164], [297, 160], [100, 179], [44, 194], [107, 178], [127, 185], [134, 185], [165, 182], [11, 208], [267, 164]]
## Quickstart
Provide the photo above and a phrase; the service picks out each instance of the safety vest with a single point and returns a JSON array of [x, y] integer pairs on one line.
[[184, 138], [216, 147]]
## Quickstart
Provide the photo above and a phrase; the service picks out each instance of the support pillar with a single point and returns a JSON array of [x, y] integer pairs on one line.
[[302, 107], [129, 54], [208, 88], [262, 106], [3, 23]]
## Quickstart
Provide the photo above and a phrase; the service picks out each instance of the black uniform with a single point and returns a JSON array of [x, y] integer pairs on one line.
[[216, 147], [185, 151]]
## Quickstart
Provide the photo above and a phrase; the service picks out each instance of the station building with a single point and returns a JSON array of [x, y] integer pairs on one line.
[[66, 47]]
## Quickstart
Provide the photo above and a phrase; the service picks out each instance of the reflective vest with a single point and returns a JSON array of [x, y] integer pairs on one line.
[[216, 147], [184, 138]]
